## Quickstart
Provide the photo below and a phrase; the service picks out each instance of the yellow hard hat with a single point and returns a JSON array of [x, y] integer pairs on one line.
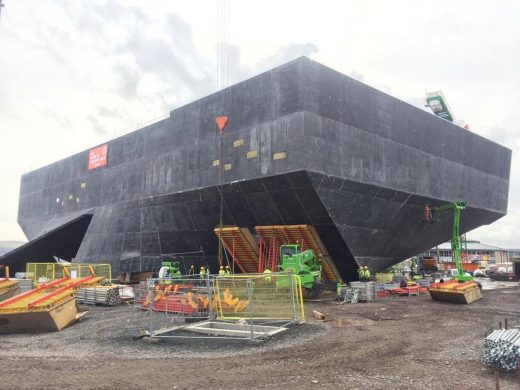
[[202, 267], [192, 266], [366, 266]]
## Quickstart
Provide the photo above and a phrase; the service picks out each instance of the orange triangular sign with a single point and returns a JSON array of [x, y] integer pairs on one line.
[[221, 122]]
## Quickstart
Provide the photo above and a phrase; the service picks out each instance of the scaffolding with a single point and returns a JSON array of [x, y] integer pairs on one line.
[[242, 247], [251, 258], [238, 307], [271, 237]]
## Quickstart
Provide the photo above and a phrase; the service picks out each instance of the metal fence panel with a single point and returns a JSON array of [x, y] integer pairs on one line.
[[169, 301], [53, 271], [226, 302], [276, 297]]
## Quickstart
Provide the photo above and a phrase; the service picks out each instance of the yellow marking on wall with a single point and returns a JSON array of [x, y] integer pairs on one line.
[[227, 167], [279, 155], [252, 154], [238, 142], [71, 197], [77, 199], [216, 163], [83, 185]]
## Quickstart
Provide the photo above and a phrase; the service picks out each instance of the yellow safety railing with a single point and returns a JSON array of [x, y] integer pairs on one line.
[[53, 271], [276, 296]]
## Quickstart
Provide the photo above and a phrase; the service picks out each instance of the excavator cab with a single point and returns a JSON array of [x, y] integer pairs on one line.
[[304, 264], [174, 269], [289, 250]]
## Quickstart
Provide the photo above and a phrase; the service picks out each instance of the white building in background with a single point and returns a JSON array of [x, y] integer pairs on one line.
[[472, 252]]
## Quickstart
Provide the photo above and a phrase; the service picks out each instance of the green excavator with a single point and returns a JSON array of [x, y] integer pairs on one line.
[[171, 269], [307, 267]]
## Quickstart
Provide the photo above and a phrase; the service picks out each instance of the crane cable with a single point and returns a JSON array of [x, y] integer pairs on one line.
[[223, 7], [222, 80]]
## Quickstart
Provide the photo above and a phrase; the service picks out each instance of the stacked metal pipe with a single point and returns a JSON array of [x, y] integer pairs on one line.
[[502, 349], [102, 295]]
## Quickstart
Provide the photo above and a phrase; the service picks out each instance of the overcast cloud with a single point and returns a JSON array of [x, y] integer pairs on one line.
[[74, 74]]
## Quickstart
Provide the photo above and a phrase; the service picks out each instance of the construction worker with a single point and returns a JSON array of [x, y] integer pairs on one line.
[[338, 291], [192, 270], [361, 273], [428, 214], [221, 271], [267, 275], [228, 271], [366, 273], [202, 272], [163, 272]]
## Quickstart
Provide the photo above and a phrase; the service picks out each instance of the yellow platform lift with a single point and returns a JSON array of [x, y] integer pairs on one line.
[[462, 288]]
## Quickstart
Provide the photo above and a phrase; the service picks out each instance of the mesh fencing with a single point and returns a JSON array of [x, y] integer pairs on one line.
[[275, 297], [173, 304], [53, 271], [170, 301]]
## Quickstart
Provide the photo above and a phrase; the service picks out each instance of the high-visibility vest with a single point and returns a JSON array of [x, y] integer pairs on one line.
[[221, 272], [267, 275], [202, 273]]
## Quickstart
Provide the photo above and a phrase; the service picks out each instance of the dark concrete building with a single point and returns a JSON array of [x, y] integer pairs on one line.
[[304, 145]]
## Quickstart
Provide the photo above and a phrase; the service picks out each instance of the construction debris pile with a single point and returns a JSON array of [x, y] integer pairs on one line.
[[502, 349]]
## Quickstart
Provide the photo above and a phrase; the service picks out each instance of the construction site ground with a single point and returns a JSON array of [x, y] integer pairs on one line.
[[393, 343]]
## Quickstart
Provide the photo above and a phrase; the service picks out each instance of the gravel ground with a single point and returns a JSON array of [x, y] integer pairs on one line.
[[396, 342]]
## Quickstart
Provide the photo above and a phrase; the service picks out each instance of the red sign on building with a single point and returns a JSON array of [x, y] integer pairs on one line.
[[97, 157]]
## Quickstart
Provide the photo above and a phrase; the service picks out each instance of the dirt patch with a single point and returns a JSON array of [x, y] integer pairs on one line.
[[354, 320], [390, 344]]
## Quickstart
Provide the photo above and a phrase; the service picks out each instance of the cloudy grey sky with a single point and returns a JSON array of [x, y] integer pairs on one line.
[[75, 73]]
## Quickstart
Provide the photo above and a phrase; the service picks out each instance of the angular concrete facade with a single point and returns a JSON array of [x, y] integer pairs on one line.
[[304, 145]]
